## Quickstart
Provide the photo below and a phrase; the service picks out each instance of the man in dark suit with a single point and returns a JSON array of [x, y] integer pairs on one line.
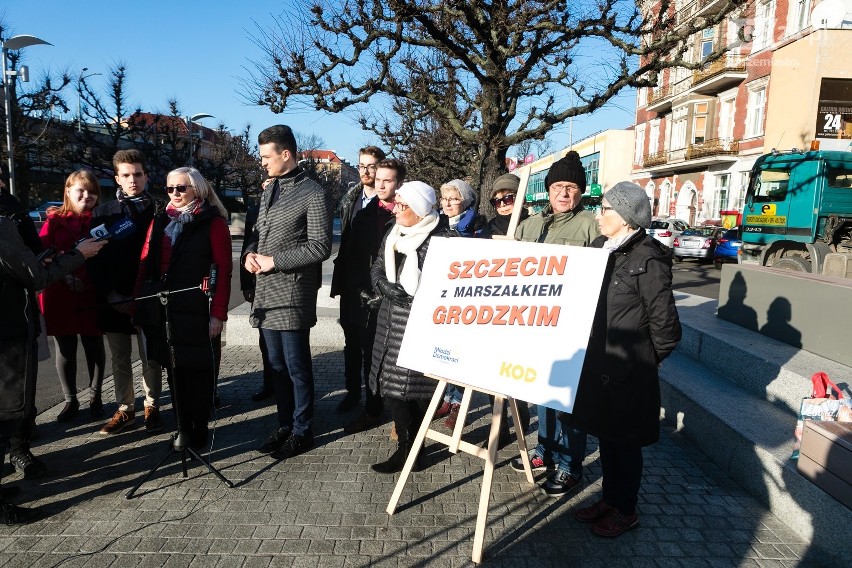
[[352, 272], [290, 240]]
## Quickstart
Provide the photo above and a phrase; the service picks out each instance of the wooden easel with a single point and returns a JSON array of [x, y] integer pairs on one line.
[[454, 443]]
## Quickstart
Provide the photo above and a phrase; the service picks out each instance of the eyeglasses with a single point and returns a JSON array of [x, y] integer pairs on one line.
[[505, 200], [363, 168], [450, 200], [400, 206], [604, 209], [177, 188]]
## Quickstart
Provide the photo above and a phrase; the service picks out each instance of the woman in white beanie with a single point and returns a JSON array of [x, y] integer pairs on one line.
[[396, 276], [636, 326]]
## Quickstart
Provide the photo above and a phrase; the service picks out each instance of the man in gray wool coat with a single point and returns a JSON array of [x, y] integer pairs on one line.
[[285, 251]]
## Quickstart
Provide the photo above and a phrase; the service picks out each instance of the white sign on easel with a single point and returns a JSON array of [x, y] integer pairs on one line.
[[505, 316]]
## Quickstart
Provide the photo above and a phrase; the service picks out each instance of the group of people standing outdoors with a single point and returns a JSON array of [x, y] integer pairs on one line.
[[387, 223], [89, 289], [386, 226]]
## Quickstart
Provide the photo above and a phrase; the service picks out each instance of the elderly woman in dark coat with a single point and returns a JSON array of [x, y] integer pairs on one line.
[[395, 276], [636, 326]]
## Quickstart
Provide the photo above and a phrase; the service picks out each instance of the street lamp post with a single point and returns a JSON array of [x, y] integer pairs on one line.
[[80, 80], [13, 44], [189, 121]]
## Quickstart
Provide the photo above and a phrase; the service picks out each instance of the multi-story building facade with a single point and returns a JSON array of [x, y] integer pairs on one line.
[[699, 132]]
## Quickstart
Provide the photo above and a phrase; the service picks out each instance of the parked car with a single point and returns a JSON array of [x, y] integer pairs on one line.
[[665, 230], [39, 214], [697, 242], [727, 248]]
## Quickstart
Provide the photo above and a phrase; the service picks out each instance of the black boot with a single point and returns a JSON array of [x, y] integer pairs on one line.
[[68, 411], [396, 462]]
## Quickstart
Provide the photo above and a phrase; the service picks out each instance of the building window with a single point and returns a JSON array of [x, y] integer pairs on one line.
[[744, 177], [642, 97], [699, 123], [800, 12], [706, 43], [591, 163], [639, 144], [754, 113], [654, 138], [678, 140], [726, 119], [764, 24]]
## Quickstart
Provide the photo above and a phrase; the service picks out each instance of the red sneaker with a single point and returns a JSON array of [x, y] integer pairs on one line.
[[443, 410]]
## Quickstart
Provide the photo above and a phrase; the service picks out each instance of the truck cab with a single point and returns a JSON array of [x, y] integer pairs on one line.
[[798, 210]]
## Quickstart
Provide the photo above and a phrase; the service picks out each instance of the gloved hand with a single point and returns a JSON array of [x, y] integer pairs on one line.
[[393, 292], [370, 301]]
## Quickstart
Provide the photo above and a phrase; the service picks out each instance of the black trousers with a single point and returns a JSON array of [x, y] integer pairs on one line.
[[192, 398], [66, 363], [622, 475], [18, 373], [407, 416], [359, 331]]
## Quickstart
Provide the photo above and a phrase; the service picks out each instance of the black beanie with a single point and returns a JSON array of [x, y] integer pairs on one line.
[[568, 168]]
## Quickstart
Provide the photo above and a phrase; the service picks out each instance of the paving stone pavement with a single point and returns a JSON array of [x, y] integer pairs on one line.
[[327, 507]]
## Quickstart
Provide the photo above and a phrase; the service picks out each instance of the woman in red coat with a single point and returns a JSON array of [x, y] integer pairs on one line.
[[67, 304]]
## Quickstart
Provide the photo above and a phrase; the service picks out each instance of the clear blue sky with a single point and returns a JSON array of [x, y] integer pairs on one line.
[[196, 52]]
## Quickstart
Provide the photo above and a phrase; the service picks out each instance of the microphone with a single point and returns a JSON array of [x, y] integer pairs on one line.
[[208, 285], [121, 229]]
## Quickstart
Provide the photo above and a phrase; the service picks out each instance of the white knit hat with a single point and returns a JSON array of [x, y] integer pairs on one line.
[[465, 191], [419, 196]]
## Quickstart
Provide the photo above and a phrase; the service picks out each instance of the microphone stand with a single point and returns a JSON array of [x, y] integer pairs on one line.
[[179, 441]]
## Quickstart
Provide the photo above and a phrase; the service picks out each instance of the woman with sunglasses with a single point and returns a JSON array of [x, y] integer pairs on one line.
[[183, 244], [395, 276], [67, 304], [503, 200], [636, 326]]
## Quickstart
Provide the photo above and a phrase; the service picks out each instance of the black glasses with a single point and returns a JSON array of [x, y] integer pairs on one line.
[[604, 209], [177, 188], [370, 168], [505, 200]]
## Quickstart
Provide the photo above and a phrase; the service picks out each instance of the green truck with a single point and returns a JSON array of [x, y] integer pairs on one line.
[[798, 212]]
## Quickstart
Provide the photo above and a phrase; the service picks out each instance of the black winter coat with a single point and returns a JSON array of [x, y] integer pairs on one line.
[[188, 311], [386, 377], [636, 326], [117, 264], [360, 238]]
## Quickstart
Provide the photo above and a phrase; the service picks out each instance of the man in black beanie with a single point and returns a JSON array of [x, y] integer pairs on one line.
[[563, 221]]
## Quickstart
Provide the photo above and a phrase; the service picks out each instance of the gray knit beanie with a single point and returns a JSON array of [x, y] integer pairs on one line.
[[629, 200], [467, 194], [506, 182]]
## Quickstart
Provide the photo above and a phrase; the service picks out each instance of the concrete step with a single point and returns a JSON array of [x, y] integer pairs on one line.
[[764, 367], [733, 392]]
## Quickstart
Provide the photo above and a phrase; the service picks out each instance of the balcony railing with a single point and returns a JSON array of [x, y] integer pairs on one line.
[[713, 147], [692, 9], [728, 64], [669, 90], [656, 159]]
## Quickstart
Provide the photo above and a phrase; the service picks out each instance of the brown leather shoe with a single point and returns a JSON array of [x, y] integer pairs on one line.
[[594, 513], [153, 420], [119, 421], [615, 524]]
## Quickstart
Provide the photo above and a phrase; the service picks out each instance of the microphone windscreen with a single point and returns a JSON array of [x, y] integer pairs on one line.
[[122, 228], [100, 232]]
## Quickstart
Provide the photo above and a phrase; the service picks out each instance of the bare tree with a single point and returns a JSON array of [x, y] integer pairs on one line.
[[511, 70]]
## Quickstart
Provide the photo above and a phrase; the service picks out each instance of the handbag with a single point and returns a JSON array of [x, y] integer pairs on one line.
[[823, 404]]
